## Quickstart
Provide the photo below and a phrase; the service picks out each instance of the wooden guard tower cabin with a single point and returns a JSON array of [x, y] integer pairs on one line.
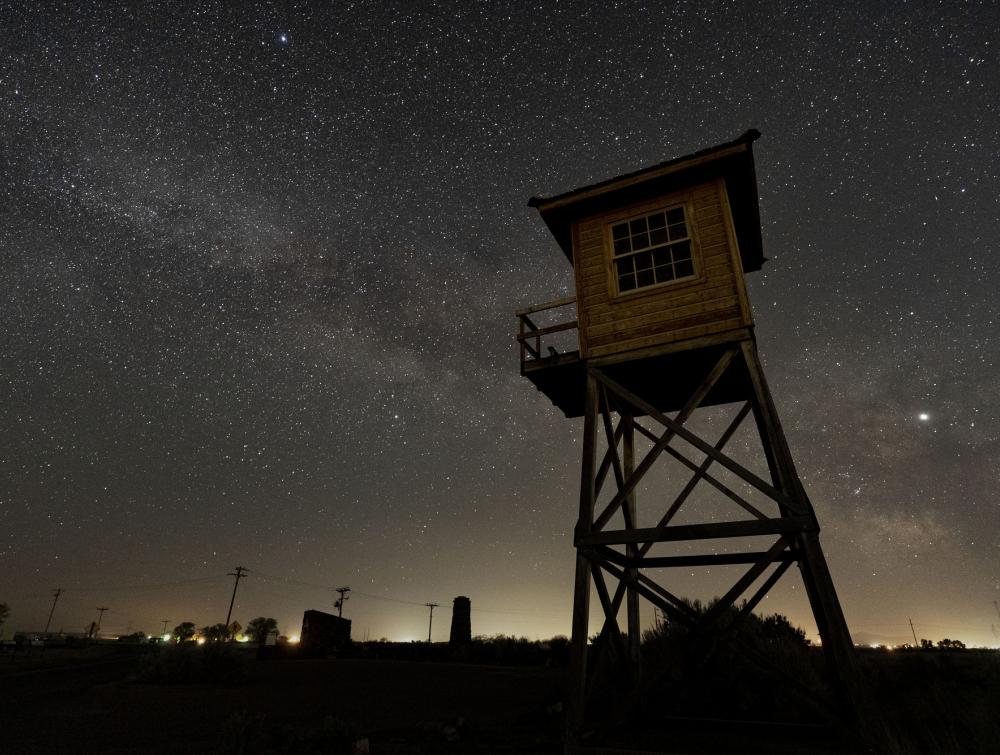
[[665, 327]]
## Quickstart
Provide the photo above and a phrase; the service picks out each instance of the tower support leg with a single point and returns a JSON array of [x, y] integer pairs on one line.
[[632, 549], [838, 647], [576, 708]]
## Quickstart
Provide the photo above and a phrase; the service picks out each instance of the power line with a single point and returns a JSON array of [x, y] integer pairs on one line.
[[479, 609], [150, 585]]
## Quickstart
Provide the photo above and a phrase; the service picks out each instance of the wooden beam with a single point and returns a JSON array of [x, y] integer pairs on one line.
[[581, 592], [668, 608], [570, 325], [630, 511], [547, 305], [710, 531], [682, 416], [765, 588], [743, 583], [733, 466], [602, 472], [710, 559], [612, 439], [702, 470], [715, 483]]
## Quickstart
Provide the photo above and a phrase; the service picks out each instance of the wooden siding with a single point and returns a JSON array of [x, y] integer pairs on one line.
[[714, 301]]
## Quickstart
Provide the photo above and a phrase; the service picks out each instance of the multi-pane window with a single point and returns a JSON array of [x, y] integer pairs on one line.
[[652, 249]]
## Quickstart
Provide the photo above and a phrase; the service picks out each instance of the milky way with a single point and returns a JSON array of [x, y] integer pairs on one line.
[[259, 268]]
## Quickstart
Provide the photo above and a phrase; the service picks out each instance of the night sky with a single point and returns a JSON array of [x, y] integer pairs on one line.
[[259, 264]]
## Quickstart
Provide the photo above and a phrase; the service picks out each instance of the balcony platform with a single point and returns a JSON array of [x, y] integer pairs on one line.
[[666, 375]]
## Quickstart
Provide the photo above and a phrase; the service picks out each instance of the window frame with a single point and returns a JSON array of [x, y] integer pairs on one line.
[[691, 238]]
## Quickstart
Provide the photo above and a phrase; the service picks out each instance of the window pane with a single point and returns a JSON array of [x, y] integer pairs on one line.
[[637, 226], [622, 246], [641, 241], [664, 273], [678, 231], [657, 221], [675, 215], [644, 277], [681, 251], [643, 261], [619, 231], [661, 257], [658, 236], [683, 269]]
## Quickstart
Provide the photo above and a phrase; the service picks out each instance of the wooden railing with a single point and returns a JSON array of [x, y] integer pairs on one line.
[[530, 335]]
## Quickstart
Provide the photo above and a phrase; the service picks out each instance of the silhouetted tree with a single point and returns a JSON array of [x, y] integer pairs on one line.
[[184, 631], [926, 645], [4, 613], [947, 644], [215, 633], [260, 627]]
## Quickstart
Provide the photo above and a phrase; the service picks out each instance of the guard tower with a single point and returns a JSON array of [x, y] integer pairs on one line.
[[664, 328]]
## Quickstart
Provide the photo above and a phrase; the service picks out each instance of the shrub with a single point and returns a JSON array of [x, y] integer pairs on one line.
[[213, 663]]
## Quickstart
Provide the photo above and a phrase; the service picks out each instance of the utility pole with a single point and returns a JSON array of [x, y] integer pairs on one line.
[[430, 623], [100, 618], [55, 599], [164, 626], [340, 601], [239, 574], [914, 632]]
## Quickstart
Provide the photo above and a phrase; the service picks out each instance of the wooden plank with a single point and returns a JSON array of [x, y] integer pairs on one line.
[[627, 322], [707, 531], [736, 257], [652, 326], [650, 304], [691, 328], [733, 335]]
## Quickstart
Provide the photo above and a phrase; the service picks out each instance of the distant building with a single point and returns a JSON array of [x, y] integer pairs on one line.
[[324, 633], [461, 621]]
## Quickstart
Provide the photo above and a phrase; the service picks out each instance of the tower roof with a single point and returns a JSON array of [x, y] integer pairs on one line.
[[731, 161]]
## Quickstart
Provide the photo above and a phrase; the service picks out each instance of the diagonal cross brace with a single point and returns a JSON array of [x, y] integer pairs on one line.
[[676, 428], [696, 398]]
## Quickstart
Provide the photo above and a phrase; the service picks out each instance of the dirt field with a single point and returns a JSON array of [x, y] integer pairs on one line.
[[87, 703]]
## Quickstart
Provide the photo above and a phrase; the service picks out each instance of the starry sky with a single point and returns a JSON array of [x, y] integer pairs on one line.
[[260, 260]]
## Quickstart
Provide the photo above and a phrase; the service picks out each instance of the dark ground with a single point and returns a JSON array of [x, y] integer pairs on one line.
[[94, 700], [86, 702]]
